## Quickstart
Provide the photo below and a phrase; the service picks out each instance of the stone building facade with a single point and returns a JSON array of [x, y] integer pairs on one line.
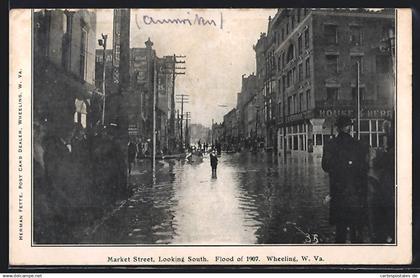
[[316, 55], [64, 69]]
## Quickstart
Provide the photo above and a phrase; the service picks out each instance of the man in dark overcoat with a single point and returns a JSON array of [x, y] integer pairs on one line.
[[345, 160], [213, 163]]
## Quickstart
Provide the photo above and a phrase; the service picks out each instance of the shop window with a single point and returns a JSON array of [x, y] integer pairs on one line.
[[373, 125], [364, 137], [381, 140], [374, 140], [330, 34], [380, 125], [318, 139], [364, 125], [295, 142], [301, 142]]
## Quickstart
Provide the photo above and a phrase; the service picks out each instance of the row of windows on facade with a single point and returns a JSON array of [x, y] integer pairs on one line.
[[330, 36], [293, 20], [332, 62], [295, 104], [282, 59]]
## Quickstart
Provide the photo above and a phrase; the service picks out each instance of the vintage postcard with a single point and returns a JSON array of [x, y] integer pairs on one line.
[[147, 137]]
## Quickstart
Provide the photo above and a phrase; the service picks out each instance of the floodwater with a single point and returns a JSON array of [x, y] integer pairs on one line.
[[253, 200]]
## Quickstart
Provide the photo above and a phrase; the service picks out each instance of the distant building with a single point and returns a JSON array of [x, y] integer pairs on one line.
[[270, 85], [246, 107], [261, 70], [315, 52], [139, 92], [198, 132], [218, 133], [64, 69], [230, 122]]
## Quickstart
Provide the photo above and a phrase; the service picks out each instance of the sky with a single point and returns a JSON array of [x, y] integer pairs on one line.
[[217, 54]]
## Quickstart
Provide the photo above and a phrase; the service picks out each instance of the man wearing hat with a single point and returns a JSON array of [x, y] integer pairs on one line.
[[345, 160]]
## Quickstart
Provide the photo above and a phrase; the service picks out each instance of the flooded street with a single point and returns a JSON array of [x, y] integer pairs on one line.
[[253, 200]]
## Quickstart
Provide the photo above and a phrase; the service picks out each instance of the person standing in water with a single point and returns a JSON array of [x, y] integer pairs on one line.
[[213, 163]]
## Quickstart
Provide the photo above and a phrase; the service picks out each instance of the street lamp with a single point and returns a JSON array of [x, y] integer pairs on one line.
[[102, 42]]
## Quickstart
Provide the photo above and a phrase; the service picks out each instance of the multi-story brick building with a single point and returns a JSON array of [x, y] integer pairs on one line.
[[140, 91], [230, 122], [261, 113], [246, 107], [316, 54], [270, 84], [64, 68]]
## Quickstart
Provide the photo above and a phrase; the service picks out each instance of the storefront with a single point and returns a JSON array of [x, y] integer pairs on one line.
[[309, 132]]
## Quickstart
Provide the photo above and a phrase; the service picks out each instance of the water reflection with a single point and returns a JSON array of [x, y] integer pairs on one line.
[[252, 200]]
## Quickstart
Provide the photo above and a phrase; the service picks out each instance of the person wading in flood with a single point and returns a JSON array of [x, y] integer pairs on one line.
[[131, 155], [213, 163], [345, 160]]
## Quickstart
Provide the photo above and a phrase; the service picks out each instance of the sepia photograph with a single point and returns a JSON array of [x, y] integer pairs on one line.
[[210, 136], [272, 127]]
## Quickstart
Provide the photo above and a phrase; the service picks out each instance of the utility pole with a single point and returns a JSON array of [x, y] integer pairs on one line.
[[172, 69], [182, 98], [212, 124], [187, 131], [358, 100], [155, 71], [177, 122], [102, 42]]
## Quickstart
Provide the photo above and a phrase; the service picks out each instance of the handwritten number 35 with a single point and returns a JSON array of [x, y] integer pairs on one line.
[[313, 239]]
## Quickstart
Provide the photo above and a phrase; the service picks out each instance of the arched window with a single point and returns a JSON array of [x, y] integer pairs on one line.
[[290, 53]]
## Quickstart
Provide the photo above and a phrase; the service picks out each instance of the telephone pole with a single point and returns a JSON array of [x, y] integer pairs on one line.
[[182, 98], [172, 69], [187, 131]]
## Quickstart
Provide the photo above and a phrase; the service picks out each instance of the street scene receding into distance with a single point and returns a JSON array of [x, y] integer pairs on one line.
[[214, 126]]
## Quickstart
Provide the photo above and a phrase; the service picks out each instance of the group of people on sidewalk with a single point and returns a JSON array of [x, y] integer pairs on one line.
[[77, 176], [362, 188]]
